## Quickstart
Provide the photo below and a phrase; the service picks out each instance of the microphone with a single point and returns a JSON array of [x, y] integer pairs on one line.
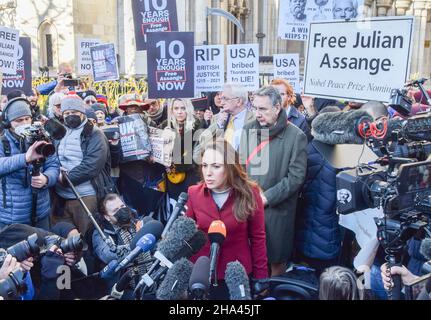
[[118, 289], [146, 243], [237, 281], [340, 127], [425, 248], [182, 199], [55, 129], [217, 235], [176, 282], [199, 281], [143, 241]]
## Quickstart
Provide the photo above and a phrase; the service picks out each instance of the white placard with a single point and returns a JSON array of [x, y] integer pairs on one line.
[[209, 68], [295, 15], [286, 66], [358, 61], [9, 44], [84, 67], [243, 65]]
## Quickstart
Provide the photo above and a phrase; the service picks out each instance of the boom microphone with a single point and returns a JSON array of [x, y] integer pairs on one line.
[[340, 127], [199, 281], [217, 235], [118, 289], [146, 243], [153, 227], [237, 281], [179, 207], [176, 282]]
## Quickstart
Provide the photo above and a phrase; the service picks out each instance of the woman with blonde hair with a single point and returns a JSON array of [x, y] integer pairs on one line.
[[182, 121]]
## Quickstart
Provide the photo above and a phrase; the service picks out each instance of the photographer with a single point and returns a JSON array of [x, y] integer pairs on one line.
[[64, 69], [16, 166], [84, 153]]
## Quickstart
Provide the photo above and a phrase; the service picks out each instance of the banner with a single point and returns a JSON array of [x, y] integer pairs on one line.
[[347, 61], [295, 15], [84, 67], [22, 80], [243, 65], [153, 16], [9, 44], [171, 65], [286, 66], [209, 68], [135, 143], [104, 63], [162, 145]]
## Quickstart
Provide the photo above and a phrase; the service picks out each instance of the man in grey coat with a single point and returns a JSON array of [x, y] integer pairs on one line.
[[274, 152]]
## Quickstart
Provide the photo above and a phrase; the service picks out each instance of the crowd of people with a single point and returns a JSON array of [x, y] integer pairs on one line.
[[252, 163]]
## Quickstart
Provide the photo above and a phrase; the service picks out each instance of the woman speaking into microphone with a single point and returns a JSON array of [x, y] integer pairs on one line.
[[227, 195]]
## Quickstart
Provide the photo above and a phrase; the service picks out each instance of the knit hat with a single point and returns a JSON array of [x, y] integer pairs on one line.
[[102, 99], [99, 107], [90, 113], [86, 94], [17, 108], [72, 102]]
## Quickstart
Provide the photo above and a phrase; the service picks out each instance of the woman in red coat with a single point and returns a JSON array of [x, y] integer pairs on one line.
[[228, 195]]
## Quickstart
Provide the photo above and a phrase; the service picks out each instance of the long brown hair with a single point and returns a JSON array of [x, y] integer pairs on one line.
[[289, 90], [236, 178]]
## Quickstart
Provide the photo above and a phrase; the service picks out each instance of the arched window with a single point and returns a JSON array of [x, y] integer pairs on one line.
[[48, 39]]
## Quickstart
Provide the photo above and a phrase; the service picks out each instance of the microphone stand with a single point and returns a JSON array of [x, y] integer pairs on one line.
[[107, 240]]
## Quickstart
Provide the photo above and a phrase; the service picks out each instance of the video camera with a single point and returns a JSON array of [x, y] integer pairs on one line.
[[35, 133]]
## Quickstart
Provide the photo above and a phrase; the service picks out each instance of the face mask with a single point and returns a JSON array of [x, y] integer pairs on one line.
[[124, 217], [73, 121]]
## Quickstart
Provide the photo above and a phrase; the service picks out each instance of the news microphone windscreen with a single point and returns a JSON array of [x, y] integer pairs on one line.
[[153, 227], [193, 246], [176, 282], [55, 129], [182, 230], [124, 281], [339, 127], [217, 232], [182, 199], [237, 281], [425, 248], [199, 278]]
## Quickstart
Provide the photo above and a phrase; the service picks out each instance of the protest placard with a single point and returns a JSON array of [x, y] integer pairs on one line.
[[135, 142], [84, 67], [162, 145], [104, 63], [9, 45], [22, 79], [286, 66], [243, 65], [153, 16], [209, 68], [171, 65], [347, 61]]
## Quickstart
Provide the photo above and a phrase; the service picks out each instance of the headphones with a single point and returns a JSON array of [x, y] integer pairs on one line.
[[6, 122]]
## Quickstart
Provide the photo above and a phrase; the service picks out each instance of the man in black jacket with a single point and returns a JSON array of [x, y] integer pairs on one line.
[[84, 154]]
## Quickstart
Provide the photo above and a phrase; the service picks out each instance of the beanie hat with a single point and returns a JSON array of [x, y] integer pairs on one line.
[[72, 102], [15, 94], [86, 94], [17, 108], [102, 99], [99, 107], [89, 112]]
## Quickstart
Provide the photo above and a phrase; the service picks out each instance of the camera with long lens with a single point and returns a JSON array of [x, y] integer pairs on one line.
[[35, 133], [69, 81], [13, 286], [71, 244], [22, 250]]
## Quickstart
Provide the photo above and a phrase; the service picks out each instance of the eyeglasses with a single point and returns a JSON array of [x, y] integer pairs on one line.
[[228, 99]]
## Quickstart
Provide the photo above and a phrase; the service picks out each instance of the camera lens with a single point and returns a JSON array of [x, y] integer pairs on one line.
[[72, 244], [46, 150], [25, 249]]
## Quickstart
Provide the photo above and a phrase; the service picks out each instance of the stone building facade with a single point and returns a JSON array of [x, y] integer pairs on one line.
[[55, 26]]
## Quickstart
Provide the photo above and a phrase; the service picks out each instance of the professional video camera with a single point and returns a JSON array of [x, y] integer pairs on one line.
[[35, 133], [71, 244], [22, 250], [13, 286]]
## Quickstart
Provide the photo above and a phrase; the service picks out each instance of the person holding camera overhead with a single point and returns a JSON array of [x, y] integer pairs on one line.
[[17, 160], [84, 154]]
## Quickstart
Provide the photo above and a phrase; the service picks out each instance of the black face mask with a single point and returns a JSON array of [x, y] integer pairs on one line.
[[124, 217], [73, 121]]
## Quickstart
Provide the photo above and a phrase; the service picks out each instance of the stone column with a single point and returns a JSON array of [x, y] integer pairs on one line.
[[418, 54], [383, 6]]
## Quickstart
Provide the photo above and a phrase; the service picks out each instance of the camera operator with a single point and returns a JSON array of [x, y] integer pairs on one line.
[[16, 165]]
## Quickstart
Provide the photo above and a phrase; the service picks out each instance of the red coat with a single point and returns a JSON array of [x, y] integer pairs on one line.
[[245, 242]]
